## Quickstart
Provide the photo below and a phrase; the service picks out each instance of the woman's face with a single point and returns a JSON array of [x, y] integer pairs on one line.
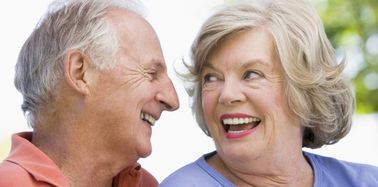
[[243, 99]]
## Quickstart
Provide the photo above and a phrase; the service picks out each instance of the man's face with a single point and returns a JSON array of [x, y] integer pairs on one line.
[[128, 100]]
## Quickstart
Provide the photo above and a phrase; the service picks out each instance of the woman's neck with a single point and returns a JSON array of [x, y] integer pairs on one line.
[[288, 171]]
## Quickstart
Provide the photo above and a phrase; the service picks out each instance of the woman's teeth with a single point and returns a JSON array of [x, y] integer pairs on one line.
[[148, 118], [239, 125], [237, 121]]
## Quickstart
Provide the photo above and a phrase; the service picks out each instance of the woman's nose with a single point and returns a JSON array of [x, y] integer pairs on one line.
[[231, 93]]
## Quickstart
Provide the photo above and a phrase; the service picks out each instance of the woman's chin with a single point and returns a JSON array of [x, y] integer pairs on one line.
[[238, 154]]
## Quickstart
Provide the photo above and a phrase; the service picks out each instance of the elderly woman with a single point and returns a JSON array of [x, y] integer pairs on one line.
[[266, 84]]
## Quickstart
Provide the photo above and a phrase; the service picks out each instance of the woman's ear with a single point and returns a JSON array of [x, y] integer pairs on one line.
[[75, 67]]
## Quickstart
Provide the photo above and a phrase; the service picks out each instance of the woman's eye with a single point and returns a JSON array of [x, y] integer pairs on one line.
[[209, 78], [251, 75]]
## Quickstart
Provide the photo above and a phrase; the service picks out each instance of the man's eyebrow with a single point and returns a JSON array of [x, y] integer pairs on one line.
[[157, 64]]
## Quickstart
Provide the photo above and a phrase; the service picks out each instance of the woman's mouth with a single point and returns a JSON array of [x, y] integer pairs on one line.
[[237, 127]]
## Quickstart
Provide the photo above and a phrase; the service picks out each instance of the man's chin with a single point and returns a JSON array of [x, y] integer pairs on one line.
[[145, 152]]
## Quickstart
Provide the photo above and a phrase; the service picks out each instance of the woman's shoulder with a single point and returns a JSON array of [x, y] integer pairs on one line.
[[184, 174], [332, 170], [334, 163], [197, 173]]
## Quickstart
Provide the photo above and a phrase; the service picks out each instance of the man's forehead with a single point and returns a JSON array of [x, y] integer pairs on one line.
[[156, 64], [118, 15]]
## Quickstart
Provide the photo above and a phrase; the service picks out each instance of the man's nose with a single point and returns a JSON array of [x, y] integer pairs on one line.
[[167, 96]]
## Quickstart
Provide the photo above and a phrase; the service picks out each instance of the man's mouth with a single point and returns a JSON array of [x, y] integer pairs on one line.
[[147, 118], [238, 125]]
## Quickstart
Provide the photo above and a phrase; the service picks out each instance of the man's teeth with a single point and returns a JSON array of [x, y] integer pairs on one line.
[[238, 121], [148, 118]]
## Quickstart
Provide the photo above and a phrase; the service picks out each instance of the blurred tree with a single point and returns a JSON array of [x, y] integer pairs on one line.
[[352, 27]]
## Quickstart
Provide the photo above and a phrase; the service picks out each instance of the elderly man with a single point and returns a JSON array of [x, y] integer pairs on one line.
[[94, 81]]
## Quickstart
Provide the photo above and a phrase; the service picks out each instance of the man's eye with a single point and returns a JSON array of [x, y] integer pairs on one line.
[[152, 75], [251, 75]]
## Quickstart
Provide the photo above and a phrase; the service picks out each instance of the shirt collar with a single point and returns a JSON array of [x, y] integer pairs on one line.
[[34, 161], [131, 176]]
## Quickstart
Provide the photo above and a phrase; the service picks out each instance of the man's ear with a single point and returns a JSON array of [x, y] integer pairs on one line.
[[75, 67]]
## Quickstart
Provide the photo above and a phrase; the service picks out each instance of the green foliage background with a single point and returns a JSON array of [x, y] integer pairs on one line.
[[349, 25], [352, 25]]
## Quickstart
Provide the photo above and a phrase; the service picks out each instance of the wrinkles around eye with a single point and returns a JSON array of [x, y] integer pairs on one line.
[[135, 76], [149, 73]]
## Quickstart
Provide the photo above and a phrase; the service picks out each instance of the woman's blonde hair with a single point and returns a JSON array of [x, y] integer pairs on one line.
[[315, 87]]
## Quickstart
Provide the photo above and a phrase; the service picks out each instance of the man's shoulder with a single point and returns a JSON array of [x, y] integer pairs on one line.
[[147, 178], [11, 174]]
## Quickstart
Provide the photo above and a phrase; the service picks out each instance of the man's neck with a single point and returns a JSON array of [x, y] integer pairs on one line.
[[74, 152]]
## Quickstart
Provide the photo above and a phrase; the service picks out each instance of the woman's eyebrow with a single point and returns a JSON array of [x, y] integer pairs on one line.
[[209, 65], [254, 62]]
